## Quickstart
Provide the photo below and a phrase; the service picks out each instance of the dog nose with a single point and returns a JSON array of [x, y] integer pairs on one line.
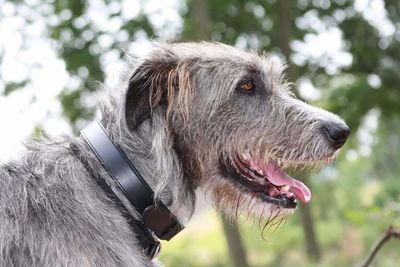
[[337, 133]]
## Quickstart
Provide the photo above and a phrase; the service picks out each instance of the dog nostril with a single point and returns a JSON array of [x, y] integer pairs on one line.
[[337, 133]]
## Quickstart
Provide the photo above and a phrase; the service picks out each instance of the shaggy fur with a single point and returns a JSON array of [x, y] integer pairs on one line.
[[179, 113]]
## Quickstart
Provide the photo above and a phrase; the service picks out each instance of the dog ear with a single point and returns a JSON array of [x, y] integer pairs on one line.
[[161, 80]]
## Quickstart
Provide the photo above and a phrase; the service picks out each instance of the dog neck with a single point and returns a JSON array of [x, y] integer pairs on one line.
[[154, 215], [151, 148]]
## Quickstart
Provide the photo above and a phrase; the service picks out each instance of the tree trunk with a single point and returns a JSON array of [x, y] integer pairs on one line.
[[305, 211], [201, 19], [285, 25], [236, 250], [309, 232]]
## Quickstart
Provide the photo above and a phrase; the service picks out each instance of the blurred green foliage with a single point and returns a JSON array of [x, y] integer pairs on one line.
[[356, 198]]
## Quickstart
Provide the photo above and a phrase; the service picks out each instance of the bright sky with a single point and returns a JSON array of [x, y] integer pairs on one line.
[[34, 57]]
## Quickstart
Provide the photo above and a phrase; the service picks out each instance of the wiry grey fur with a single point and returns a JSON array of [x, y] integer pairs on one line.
[[178, 113]]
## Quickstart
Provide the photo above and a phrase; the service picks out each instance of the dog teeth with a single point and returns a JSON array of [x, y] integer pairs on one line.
[[274, 192], [285, 188]]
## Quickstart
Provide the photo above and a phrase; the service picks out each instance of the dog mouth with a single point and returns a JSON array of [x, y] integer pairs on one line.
[[270, 183]]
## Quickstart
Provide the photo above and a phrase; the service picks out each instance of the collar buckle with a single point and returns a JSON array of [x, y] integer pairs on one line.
[[161, 221]]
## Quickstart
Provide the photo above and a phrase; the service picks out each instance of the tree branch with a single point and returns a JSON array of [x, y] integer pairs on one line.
[[390, 232]]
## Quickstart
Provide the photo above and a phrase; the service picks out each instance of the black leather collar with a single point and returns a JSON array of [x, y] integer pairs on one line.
[[156, 217]]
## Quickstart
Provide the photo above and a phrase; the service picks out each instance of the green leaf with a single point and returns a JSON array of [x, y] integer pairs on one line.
[[13, 86]]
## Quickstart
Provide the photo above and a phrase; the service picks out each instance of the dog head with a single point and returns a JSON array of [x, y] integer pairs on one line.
[[233, 124]]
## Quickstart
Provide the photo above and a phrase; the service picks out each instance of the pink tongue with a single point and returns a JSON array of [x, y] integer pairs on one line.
[[277, 177]]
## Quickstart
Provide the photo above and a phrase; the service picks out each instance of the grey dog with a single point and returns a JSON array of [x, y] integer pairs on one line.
[[194, 119]]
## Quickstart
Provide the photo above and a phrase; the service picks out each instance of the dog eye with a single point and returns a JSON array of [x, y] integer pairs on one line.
[[248, 86]]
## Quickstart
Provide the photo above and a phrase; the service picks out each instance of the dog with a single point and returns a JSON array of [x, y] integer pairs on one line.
[[193, 119]]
